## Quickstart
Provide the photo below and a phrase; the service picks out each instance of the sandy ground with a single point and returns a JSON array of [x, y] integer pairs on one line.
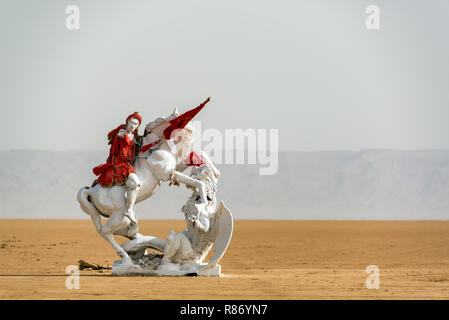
[[265, 260]]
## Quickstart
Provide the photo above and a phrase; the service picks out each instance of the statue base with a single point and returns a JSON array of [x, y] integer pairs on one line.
[[150, 265]]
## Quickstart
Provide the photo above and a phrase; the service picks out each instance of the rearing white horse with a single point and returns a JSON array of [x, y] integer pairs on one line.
[[166, 163]]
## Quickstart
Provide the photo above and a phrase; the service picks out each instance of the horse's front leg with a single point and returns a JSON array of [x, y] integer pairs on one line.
[[205, 158], [191, 182]]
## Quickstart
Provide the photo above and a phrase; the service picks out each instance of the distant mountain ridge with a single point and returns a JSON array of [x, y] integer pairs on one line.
[[365, 184]]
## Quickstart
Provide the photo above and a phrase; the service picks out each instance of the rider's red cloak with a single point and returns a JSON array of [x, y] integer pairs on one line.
[[119, 164]]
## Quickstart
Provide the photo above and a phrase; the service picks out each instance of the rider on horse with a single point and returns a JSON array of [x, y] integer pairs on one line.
[[119, 166], [119, 169]]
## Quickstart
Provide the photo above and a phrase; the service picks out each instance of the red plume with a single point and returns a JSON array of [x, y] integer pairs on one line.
[[181, 121]]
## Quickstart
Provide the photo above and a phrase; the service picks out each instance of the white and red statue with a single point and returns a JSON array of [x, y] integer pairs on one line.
[[135, 168]]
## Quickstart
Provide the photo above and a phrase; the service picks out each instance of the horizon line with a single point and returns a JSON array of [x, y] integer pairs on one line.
[[255, 219], [246, 149]]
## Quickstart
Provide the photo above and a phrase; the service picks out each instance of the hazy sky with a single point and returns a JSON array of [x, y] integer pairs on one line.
[[308, 68]]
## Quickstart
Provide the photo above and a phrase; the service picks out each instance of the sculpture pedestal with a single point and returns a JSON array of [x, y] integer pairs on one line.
[[184, 252], [149, 265]]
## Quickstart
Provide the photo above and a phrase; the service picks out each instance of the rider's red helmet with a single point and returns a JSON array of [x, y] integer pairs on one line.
[[135, 115]]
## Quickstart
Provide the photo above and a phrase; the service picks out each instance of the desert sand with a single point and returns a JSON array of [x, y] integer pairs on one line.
[[265, 260]]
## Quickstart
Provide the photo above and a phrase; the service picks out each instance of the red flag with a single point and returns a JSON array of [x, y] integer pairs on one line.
[[181, 121]]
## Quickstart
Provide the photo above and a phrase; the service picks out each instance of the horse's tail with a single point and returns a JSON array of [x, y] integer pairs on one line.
[[85, 200]]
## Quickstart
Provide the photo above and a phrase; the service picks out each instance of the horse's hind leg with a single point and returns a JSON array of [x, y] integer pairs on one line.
[[130, 232], [84, 199], [116, 222]]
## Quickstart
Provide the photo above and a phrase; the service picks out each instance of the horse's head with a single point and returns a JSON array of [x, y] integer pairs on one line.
[[182, 138], [158, 125], [186, 131]]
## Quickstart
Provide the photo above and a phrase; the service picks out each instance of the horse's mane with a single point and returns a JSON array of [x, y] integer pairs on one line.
[[183, 139]]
